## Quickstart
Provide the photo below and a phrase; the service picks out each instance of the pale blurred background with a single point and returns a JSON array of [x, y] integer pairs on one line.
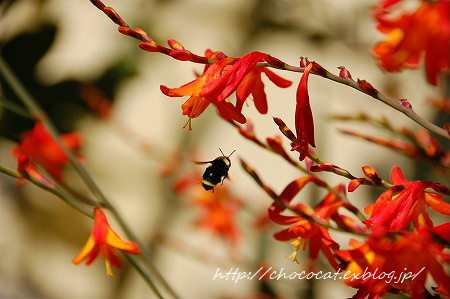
[[54, 45]]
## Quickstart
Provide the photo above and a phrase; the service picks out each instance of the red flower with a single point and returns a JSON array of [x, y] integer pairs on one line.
[[245, 75], [304, 124], [39, 148], [220, 218], [197, 103], [389, 260], [305, 234], [303, 231], [106, 241], [218, 209], [252, 84], [426, 30], [221, 79], [405, 202]]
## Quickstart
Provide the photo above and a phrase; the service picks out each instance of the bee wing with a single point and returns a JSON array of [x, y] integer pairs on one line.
[[201, 163]]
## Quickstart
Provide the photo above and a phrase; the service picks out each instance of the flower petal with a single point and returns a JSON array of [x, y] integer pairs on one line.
[[276, 79], [85, 252], [304, 123]]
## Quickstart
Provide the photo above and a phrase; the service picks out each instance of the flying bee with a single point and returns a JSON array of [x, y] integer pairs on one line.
[[217, 172]]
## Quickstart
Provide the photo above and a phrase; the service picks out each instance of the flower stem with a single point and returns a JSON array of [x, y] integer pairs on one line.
[[40, 114], [56, 191], [281, 203], [134, 262], [397, 105]]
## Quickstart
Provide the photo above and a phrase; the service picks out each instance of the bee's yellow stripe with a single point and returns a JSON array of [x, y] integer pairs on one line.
[[226, 161], [205, 182]]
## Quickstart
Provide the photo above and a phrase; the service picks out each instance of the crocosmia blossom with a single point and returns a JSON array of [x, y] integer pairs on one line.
[[38, 147], [197, 102], [305, 234], [303, 231], [223, 78], [304, 124], [253, 84], [405, 203], [423, 32], [397, 264], [106, 241], [218, 210], [244, 77]]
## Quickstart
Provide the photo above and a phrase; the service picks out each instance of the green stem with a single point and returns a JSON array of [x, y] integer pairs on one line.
[[133, 261], [281, 203], [145, 250], [39, 114], [327, 186], [17, 109], [56, 191], [397, 105]]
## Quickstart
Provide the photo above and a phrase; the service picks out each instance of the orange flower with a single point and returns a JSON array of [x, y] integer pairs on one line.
[[304, 232], [405, 202], [221, 79], [218, 209], [39, 147], [426, 30], [106, 241], [244, 74], [197, 102], [253, 84], [396, 264], [220, 218]]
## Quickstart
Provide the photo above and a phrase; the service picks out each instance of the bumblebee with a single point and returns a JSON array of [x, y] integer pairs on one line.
[[217, 172]]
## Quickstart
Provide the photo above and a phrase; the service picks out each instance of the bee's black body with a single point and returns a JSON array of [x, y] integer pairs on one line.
[[215, 173]]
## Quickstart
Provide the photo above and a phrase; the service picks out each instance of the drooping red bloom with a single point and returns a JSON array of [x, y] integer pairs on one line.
[[304, 123], [396, 264], [39, 148], [405, 203], [223, 78], [106, 241], [425, 31]]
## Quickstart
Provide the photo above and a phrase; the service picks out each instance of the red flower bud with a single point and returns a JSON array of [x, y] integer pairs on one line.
[[304, 62], [182, 55], [98, 4], [114, 16], [406, 103], [176, 45], [275, 62], [367, 88], [321, 167], [355, 183], [344, 73], [149, 46]]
